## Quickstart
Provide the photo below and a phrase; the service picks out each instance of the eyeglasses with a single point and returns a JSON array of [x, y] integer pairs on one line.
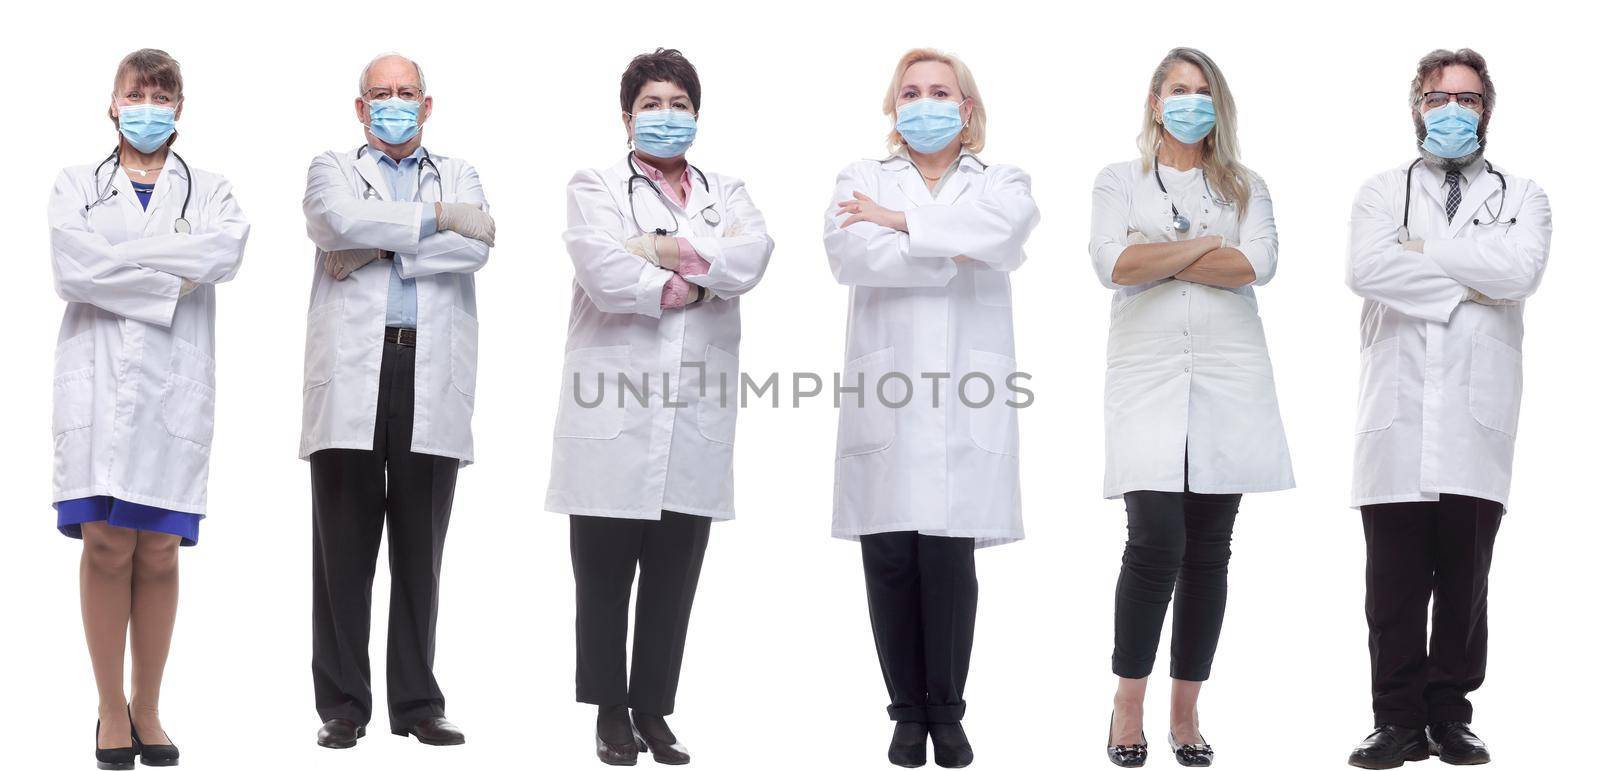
[[1471, 100], [380, 93]]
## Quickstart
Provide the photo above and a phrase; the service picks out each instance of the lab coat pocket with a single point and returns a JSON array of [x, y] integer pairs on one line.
[[592, 405], [866, 422], [718, 408], [1380, 386], [1495, 395], [992, 287], [464, 352], [993, 425], [73, 406], [322, 343], [188, 409]]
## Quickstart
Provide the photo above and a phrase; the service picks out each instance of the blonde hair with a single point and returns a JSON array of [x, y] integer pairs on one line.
[[972, 135], [1219, 151]]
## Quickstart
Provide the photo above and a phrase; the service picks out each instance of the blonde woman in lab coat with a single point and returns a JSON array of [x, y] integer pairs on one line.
[[662, 252], [1181, 235], [137, 242], [926, 469]]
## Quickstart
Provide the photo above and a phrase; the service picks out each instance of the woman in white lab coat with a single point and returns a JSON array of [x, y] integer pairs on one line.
[[1181, 234], [137, 242], [926, 469], [643, 456]]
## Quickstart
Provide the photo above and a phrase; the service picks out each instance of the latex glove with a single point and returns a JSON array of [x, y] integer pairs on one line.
[[339, 265], [1475, 296], [467, 219], [647, 248], [186, 287]]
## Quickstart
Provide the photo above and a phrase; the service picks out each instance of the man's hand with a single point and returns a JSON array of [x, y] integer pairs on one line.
[[1414, 245], [467, 219], [339, 265], [864, 209]]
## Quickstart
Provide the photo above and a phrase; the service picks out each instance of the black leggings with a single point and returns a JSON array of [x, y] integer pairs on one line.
[[1174, 540]]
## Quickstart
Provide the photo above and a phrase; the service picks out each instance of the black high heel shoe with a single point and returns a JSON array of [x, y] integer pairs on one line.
[[1126, 755], [654, 736], [115, 759], [623, 753], [152, 754], [1191, 755]]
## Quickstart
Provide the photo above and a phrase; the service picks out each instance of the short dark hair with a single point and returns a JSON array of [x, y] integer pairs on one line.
[[1442, 58], [665, 64]]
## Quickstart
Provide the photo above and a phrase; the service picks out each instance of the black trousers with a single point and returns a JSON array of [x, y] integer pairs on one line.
[[922, 594], [353, 493], [1438, 550], [667, 555], [1176, 542]]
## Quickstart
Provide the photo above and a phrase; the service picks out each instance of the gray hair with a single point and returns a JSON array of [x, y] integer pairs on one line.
[[422, 82]]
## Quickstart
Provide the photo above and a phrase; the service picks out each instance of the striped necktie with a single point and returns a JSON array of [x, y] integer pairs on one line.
[[1452, 201]]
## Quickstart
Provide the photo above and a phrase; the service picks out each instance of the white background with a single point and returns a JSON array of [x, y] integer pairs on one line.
[[780, 670]]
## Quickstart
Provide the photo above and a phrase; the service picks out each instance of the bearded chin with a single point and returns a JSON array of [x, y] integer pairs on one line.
[[1451, 164]]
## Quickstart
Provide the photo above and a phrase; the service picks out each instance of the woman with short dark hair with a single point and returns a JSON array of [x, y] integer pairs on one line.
[[662, 252]]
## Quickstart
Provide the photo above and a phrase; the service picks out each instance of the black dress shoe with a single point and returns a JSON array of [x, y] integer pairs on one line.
[[434, 731], [1191, 755], [339, 734], [616, 742], [654, 736], [1390, 747], [1455, 743], [152, 754], [114, 759], [909, 747], [950, 746], [1127, 755]]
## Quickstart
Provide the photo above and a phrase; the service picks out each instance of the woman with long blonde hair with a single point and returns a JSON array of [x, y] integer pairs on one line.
[[1181, 234]]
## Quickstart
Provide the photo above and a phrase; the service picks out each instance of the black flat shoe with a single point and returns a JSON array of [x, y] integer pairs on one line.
[[1456, 744], [620, 753], [114, 759], [340, 733], [909, 747], [1390, 746], [1191, 755], [653, 735], [152, 754], [950, 746], [1127, 755], [433, 731]]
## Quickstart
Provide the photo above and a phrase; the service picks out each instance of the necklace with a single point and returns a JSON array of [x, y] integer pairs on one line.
[[142, 172]]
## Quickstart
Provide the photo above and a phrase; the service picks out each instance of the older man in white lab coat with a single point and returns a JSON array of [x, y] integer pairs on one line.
[[1444, 251], [391, 363]]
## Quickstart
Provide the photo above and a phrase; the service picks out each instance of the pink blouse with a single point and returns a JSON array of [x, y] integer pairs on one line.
[[675, 294]]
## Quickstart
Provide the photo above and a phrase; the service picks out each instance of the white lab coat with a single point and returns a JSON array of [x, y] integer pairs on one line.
[[135, 373], [942, 469], [1441, 379], [634, 461], [348, 206], [1187, 370]]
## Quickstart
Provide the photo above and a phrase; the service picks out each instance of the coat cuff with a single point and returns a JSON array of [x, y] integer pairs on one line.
[[923, 240], [647, 296]]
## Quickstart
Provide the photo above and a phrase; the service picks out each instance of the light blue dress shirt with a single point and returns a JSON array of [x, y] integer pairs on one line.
[[402, 176]]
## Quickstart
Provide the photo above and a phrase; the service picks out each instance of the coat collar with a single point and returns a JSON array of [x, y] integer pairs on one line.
[[909, 178], [1477, 186]]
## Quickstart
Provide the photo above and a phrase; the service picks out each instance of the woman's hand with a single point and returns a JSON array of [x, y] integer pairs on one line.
[[864, 209]]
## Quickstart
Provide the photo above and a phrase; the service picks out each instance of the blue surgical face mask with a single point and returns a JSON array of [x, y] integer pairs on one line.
[[394, 120], [664, 133], [1189, 118], [1452, 131], [928, 125], [146, 126]]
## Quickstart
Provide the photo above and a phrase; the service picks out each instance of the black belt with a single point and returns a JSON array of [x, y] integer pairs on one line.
[[405, 338]]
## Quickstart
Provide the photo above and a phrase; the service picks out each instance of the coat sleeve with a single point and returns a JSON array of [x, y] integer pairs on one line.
[[739, 257], [1258, 233], [1506, 264], [990, 228], [445, 251], [613, 278], [337, 218], [1110, 221], [868, 254], [88, 268], [1382, 270], [211, 257]]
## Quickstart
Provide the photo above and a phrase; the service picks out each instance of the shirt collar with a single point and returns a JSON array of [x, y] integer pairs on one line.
[[383, 157], [1469, 173], [966, 160]]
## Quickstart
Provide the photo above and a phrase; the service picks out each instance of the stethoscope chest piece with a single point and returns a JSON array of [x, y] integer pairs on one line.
[[181, 225], [1180, 223], [710, 215]]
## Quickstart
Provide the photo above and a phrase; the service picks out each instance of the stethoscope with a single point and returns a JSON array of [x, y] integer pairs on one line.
[[1181, 223], [424, 161], [180, 225], [709, 214], [1405, 224]]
